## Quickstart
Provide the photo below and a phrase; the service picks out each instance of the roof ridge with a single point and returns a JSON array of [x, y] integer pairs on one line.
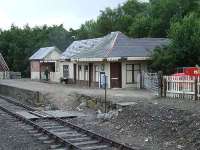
[[113, 44], [89, 39]]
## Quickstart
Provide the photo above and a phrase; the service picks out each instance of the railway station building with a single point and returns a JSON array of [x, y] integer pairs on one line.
[[120, 58]]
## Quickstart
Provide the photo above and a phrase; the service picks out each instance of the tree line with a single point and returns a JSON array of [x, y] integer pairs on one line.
[[178, 20]]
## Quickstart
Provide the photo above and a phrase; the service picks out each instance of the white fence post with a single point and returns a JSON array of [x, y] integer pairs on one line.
[[183, 87]]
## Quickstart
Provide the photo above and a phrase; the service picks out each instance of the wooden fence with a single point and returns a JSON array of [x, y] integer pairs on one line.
[[15, 75], [181, 87]]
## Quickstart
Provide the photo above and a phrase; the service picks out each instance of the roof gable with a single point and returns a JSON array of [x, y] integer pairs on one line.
[[53, 55], [43, 52]]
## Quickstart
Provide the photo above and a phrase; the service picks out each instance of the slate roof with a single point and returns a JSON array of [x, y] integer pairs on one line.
[[43, 52], [3, 65], [115, 44]]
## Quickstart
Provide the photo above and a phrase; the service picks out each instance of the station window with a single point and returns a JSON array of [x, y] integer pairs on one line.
[[79, 71], [132, 71], [86, 77]]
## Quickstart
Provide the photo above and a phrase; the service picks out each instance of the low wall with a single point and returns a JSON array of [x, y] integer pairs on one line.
[[33, 98]]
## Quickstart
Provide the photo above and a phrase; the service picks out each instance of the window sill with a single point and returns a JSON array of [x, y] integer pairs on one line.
[[132, 83]]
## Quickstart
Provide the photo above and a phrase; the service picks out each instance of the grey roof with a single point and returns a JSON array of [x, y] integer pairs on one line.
[[79, 46], [115, 44], [137, 47], [43, 52]]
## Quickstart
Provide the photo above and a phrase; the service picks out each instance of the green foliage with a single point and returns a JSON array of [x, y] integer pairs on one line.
[[133, 7], [17, 45], [163, 11], [138, 19], [119, 19], [140, 27], [163, 59], [185, 35], [184, 50], [59, 37]]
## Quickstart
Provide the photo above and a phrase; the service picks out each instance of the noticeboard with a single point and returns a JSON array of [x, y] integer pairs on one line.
[[102, 80]]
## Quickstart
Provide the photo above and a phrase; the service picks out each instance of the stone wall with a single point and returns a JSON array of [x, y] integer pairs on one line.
[[32, 98]]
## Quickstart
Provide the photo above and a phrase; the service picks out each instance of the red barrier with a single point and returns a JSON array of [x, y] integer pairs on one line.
[[192, 71]]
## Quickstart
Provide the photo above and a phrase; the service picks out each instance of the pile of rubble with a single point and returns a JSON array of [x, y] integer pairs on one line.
[[149, 125]]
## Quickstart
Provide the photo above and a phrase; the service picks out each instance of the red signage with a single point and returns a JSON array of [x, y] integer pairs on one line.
[[192, 71]]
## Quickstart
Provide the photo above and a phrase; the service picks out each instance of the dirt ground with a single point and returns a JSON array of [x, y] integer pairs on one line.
[[150, 126], [153, 123]]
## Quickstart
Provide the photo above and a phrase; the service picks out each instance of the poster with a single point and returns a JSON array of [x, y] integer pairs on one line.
[[103, 80]]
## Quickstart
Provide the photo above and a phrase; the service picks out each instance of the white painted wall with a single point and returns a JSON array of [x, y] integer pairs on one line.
[[143, 68], [71, 68], [80, 74], [106, 70], [55, 76], [35, 75], [54, 55]]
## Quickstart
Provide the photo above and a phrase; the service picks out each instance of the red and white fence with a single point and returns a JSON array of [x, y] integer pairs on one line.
[[182, 87]]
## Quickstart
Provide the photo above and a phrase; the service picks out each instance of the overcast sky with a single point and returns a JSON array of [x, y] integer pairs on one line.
[[71, 13]]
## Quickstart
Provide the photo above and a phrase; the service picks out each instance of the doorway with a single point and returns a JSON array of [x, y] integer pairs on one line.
[[115, 75]]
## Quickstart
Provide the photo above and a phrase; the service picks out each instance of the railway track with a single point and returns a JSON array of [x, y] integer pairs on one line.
[[60, 134]]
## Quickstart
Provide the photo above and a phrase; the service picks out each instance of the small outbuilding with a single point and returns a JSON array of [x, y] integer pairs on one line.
[[45, 60]]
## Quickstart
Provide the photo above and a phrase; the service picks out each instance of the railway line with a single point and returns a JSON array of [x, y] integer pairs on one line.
[[58, 133]]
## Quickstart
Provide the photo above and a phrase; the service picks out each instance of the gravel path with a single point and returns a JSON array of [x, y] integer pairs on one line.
[[61, 95], [13, 137], [62, 90]]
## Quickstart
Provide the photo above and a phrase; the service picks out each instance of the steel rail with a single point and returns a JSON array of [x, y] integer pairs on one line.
[[66, 124]]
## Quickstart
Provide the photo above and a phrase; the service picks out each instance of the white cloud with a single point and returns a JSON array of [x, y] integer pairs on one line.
[[70, 13], [5, 21]]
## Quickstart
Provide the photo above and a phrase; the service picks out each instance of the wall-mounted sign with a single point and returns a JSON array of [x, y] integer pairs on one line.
[[192, 71]]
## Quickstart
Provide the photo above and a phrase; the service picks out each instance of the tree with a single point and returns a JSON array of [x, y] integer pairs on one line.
[[163, 59], [185, 35], [140, 26], [163, 11], [184, 48], [59, 37], [18, 44], [106, 21], [134, 7]]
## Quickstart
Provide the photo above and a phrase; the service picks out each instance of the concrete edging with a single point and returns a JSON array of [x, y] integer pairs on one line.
[[29, 97]]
